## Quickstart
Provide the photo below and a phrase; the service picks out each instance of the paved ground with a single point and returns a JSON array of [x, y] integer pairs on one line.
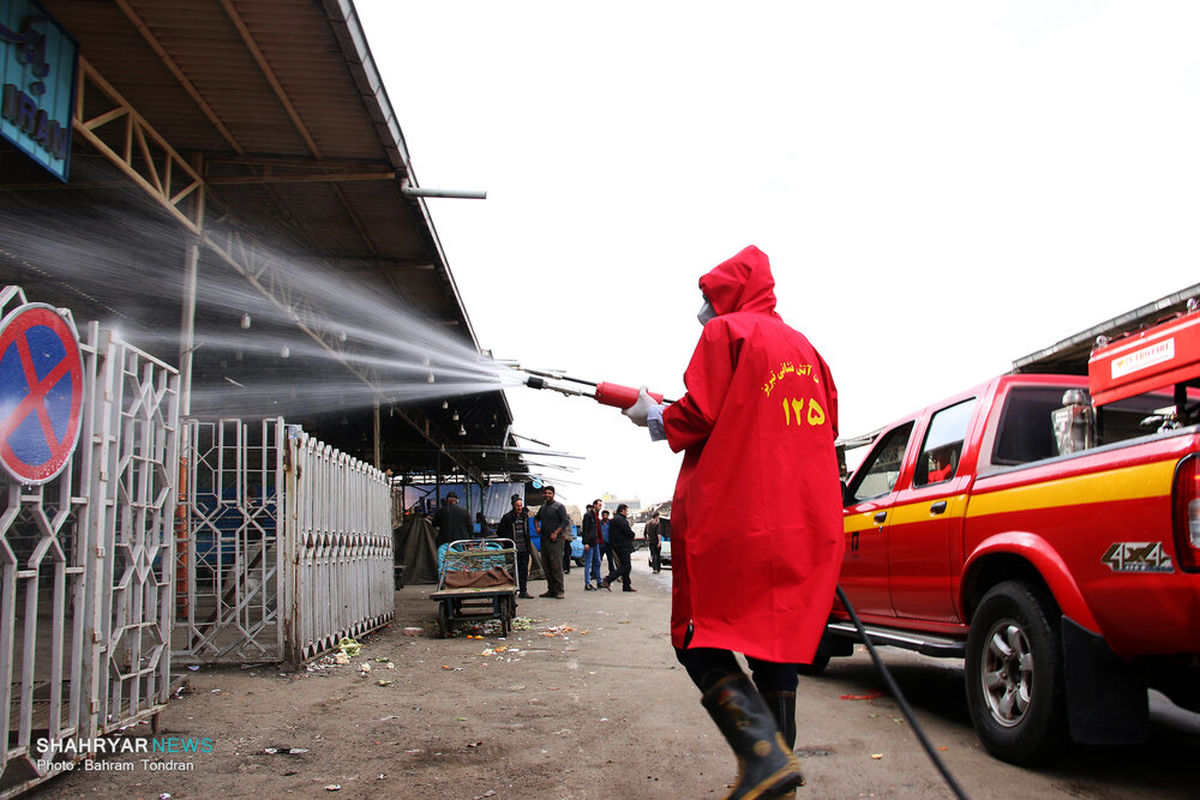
[[585, 702]]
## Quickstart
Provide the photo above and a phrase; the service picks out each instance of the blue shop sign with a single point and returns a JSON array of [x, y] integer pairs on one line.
[[38, 62]]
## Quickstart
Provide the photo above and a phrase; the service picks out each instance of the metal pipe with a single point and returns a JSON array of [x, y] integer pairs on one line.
[[418, 191], [376, 435], [187, 326]]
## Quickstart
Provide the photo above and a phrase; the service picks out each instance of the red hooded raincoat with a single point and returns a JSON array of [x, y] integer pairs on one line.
[[757, 516]]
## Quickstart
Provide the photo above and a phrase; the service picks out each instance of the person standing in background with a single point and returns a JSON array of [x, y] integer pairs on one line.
[[552, 523], [652, 541], [604, 523], [591, 545], [620, 541], [453, 522], [515, 525]]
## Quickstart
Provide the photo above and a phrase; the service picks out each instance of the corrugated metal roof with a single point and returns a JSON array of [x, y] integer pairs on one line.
[[278, 104], [1070, 356]]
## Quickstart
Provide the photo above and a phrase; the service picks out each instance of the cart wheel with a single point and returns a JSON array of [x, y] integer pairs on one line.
[[444, 619], [508, 611]]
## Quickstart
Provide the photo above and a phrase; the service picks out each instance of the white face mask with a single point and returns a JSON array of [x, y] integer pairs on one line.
[[706, 313]]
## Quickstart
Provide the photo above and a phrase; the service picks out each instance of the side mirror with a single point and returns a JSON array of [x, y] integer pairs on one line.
[[845, 493]]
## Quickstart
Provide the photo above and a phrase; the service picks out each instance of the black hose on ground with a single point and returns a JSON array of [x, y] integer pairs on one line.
[[904, 707]]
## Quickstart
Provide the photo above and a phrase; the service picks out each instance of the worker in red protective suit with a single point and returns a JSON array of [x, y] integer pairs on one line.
[[756, 519]]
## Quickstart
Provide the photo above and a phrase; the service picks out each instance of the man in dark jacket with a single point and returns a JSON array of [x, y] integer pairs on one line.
[[591, 545], [553, 526], [453, 522], [653, 542], [605, 549], [515, 525], [620, 542]]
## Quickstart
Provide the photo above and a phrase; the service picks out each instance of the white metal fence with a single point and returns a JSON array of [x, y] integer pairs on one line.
[[95, 597], [85, 568], [339, 546]]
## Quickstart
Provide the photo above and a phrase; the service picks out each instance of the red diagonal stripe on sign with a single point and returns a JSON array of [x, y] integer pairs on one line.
[[35, 401]]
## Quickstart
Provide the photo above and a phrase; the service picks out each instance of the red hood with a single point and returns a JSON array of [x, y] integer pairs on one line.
[[741, 283]]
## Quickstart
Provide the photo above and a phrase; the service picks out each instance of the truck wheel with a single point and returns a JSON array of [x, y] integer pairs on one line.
[[1014, 675]]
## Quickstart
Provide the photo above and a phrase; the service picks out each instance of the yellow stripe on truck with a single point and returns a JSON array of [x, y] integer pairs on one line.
[[858, 522], [905, 514], [919, 512], [1127, 483]]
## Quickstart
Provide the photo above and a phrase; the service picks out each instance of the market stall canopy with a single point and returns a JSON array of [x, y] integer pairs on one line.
[[262, 129]]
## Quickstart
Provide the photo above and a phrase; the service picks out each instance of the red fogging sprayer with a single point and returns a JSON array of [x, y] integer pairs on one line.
[[609, 394]]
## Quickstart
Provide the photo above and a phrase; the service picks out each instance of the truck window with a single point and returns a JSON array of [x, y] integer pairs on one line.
[[1138, 416], [878, 474], [1026, 431], [943, 444]]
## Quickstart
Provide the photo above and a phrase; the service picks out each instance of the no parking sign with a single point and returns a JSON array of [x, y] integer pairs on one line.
[[41, 392]]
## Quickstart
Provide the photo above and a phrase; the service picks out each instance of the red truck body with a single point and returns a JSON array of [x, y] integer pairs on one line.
[[1047, 542]]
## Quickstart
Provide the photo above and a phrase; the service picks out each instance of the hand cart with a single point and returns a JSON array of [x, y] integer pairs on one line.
[[477, 581]]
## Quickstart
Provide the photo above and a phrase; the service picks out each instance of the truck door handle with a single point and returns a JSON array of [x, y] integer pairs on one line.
[[938, 507], [880, 517]]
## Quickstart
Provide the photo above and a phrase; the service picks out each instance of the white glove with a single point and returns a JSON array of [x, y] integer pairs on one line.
[[638, 411]]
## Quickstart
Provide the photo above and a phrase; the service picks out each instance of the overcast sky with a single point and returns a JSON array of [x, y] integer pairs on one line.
[[941, 187]]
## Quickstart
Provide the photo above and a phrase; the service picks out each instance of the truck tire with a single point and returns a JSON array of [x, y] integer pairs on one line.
[[1014, 675]]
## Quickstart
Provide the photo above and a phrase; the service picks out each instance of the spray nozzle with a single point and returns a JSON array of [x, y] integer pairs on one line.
[[609, 394], [542, 380]]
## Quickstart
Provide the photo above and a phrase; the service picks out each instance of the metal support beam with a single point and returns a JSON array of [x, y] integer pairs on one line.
[[256, 52], [177, 71], [102, 115], [267, 177]]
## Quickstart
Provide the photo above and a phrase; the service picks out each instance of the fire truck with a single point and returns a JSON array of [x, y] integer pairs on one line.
[[1046, 530]]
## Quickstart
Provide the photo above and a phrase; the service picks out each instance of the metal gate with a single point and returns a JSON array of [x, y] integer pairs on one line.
[[287, 546], [86, 581], [339, 524], [229, 554]]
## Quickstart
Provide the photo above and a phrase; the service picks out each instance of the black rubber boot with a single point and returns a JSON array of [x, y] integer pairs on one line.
[[783, 709], [766, 766]]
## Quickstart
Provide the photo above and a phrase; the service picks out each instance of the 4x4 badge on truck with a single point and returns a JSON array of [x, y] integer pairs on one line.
[[1137, 557]]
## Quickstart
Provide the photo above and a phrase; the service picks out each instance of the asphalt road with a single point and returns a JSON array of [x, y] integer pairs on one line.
[[583, 701], [1162, 767], [854, 743]]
